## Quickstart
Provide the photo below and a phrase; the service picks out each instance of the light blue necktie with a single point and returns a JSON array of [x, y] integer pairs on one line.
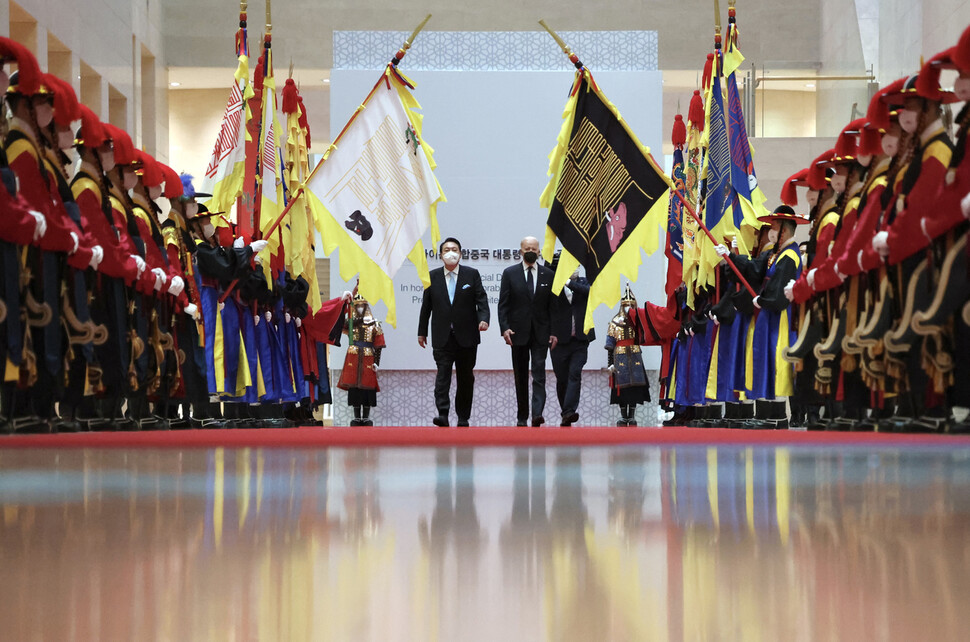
[[451, 287]]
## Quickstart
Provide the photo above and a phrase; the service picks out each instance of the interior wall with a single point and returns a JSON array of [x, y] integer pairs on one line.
[[105, 38]]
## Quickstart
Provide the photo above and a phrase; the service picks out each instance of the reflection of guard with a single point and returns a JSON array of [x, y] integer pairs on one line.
[[359, 376], [628, 378]]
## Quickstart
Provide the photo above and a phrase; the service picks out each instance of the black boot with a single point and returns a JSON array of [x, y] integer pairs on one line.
[[358, 416], [365, 417]]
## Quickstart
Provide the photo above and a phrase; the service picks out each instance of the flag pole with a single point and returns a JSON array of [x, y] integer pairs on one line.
[[394, 61], [700, 223]]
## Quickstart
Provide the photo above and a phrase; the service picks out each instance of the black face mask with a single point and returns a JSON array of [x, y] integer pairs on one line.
[[530, 257]]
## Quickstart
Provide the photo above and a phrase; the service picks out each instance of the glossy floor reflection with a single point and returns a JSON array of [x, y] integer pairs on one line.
[[487, 544]]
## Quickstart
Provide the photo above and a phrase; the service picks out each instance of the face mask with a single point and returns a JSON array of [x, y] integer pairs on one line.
[[773, 236], [530, 257], [451, 258], [360, 311]]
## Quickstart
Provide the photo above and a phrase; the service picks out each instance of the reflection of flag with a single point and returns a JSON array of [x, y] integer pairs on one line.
[[225, 172], [375, 194], [606, 198]]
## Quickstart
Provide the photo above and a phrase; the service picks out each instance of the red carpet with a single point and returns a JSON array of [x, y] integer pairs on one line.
[[315, 437]]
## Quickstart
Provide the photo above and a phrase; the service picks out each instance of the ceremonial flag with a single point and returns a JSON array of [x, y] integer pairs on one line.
[[716, 186], [696, 150], [298, 235], [270, 173], [675, 220], [747, 199], [225, 172], [607, 198], [375, 194]]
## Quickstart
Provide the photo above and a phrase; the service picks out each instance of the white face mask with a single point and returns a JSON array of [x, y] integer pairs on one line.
[[773, 236], [451, 258]]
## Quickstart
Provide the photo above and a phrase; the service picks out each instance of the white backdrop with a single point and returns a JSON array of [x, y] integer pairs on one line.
[[492, 132]]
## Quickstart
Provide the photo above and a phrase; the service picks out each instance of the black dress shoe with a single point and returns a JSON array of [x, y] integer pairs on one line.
[[463, 423], [32, 425], [622, 423], [367, 422], [440, 421], [537, 421], [521, 422], [356, 422], [570, 418], [65, 425]]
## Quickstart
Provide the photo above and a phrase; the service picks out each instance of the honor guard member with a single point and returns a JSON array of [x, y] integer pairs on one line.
[[950, 217], [772, 376], [365, 342], [81, 268], [32, 107], [21, 227], [624, 360], [925, 160], [195, 407]]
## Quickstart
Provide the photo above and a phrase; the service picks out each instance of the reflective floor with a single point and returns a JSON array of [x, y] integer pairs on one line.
[[628, 543]]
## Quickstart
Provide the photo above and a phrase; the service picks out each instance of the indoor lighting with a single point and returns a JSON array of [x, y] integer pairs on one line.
[[174, 84], [810, 85]]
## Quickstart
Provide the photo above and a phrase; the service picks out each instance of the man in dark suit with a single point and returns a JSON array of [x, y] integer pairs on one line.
[[571, 350], [457, 306], [524, 302]]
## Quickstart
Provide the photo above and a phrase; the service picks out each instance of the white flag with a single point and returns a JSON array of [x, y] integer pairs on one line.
[[378, 184]]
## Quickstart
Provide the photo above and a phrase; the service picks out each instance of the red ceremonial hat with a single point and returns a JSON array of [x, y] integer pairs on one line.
[[67, 109], [880, 110], [928, 79], [28, 81], [870, 141], [173, 184], [817, 179], [961, 52], [783, 213], [150, 172], [121, 141], [788, 194], [91, 133], [847, 145]]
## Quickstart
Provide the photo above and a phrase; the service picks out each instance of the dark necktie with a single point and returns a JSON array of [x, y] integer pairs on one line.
[[530, 283]]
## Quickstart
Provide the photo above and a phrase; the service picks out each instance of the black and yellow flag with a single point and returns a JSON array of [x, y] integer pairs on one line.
[[607, 198]]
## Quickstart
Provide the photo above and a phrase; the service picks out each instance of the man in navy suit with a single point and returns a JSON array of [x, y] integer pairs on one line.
[[572, 346], [457, 306], [524, 304]]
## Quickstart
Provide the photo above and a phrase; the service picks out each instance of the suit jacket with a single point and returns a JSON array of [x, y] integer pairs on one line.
[[469, 308], [528, 318], [564, 313]]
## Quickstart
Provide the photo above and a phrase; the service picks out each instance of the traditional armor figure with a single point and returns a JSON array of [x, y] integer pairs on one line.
[[359, 376], [628, 378]]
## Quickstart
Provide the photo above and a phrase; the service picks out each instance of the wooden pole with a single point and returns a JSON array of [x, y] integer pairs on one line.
[[700, 223]]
